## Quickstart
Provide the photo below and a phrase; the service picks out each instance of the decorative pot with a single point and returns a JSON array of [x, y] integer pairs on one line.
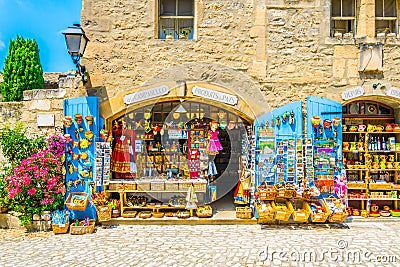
[[336, 121], [389, 127], [89, 119], [327, 124], [315, 121], [78, 118], [67, 120]]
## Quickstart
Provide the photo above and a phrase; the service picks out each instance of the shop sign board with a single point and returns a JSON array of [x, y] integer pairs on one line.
[[177, 134], [146, 94], [353, 93], [45, 120], [394, 92], [215, 95]]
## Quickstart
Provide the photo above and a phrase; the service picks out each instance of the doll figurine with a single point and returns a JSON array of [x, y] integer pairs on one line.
[[214, 144]]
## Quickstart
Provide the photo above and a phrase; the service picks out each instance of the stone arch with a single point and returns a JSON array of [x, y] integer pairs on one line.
[[211, 75]]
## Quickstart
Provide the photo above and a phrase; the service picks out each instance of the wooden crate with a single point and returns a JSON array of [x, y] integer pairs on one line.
[[171, 186], [184, 185], [243, 213], [157, 185], [143, 185], [200, 186]]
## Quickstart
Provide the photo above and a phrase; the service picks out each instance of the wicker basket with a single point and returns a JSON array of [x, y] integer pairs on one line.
[[104, 213], [114, 186], [129, 214], [380, 186], [243, 213], [266, 195], [183, 185], [283, 215], [81, 230], [145, 214], [204, 212], [143, 185], [183, 214], [71, 205], [60, 229], [200, 186], [171, 186], [265, 216], [303, 214], [338, 217], [355, 185], [157, 185], [130, 186], [321, 216]]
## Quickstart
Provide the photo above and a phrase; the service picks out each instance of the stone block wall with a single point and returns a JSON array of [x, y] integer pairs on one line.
[[284, 46]]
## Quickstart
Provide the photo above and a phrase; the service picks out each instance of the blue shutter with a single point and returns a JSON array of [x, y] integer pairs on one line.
[[77, 181], [323, 140]]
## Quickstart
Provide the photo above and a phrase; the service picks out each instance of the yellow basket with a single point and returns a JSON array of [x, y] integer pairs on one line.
[[303, 214], [283, 215], [104, 213], [243, 213], [353, 185], [204, 212], [337, 217], [265, 216], [380, 186], [157, 185], [322, 216], [60, 229]]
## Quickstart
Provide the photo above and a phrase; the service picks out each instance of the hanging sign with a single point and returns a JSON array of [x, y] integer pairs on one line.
[[215, 95], [353, 93], [146, 94], [394, 92]]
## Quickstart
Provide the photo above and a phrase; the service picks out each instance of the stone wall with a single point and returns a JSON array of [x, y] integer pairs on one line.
[[284, 46]]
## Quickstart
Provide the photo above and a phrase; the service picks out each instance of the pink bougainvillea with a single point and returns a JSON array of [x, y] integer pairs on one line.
[[37, 183]]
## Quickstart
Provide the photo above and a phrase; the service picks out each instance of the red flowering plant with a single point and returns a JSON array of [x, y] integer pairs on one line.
[[37, 183]]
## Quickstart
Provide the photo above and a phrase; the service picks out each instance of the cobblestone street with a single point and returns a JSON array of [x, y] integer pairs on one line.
[[364, 244]]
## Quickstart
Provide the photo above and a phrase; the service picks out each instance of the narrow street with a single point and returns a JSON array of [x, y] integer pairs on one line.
[[359, 244]]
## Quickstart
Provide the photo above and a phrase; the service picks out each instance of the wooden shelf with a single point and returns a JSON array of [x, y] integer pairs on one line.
[[152, 191], [373, 199]]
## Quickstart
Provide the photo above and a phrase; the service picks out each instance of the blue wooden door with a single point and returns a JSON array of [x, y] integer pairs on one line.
[[80, 151], [324, 132]]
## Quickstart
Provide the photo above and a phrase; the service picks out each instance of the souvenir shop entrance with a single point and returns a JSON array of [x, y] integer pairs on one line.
[[159, 150], [371, 157]]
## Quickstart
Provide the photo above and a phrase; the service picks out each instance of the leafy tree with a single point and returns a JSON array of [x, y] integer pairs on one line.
[[22, 69]]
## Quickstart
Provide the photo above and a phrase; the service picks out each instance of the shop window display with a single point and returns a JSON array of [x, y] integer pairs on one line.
[[371, 158], [161, 151]]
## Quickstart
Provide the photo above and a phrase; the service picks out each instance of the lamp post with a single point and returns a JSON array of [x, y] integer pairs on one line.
[[76, 41]]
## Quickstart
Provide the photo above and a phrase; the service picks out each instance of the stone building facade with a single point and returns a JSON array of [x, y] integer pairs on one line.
[[286, 49]]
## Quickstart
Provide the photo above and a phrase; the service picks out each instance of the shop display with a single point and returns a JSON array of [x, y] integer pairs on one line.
[[371, 159]]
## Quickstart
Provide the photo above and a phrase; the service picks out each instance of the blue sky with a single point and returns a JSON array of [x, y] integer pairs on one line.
[[43, 21]]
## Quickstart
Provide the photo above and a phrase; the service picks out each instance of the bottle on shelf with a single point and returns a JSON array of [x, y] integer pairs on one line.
[[383, 144], [370, 143], [378, 146]]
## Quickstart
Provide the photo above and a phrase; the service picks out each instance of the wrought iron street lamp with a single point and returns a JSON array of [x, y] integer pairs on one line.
[[76, 41]]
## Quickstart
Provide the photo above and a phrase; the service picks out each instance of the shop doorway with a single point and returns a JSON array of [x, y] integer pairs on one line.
[[370, 155], [172, 141]]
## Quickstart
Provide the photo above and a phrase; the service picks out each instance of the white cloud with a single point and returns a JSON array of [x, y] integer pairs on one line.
[[2, 45]]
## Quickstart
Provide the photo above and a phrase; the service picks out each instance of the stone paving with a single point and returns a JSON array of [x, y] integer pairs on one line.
[[363, 244]]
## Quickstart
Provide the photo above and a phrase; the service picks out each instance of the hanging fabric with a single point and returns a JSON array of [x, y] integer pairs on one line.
[[240, 196], [212, 169], [191, 198]]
